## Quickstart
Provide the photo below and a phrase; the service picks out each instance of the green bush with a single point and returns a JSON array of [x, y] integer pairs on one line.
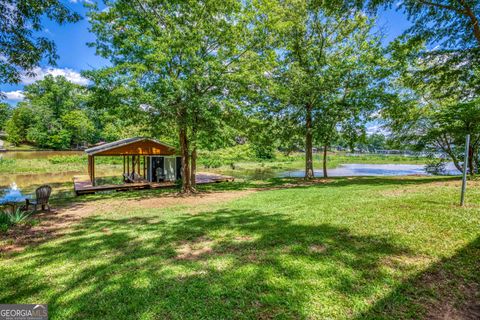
[[226, 156], [18, 216], [8, 219], [3, 227], [108, 160], [4, 218], [212, 163], [264, 152]]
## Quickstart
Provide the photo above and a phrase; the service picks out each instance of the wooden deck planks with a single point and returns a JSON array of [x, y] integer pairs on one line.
[[83, 185]]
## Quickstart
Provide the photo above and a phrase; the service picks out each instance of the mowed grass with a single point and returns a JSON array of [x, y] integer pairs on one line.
[[349, 248]]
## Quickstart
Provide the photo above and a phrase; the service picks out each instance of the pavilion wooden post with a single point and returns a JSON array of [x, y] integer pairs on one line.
[[91, 169], [128, 167], [138, 165], [144, 168], [124, 165]]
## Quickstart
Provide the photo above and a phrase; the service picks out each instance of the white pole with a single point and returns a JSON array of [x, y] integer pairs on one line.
[[465, 165]]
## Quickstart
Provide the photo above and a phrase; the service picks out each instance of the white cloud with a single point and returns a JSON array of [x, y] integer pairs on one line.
[[16, 95], [80, 1], [69, 74]]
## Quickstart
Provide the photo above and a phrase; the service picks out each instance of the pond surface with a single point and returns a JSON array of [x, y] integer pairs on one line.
[[12, 195], [28, 179], [348, 170]]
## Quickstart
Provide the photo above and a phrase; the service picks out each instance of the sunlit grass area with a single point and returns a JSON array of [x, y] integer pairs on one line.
[[347, 248]]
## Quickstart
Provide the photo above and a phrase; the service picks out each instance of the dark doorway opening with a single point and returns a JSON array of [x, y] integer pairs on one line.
[[158, 171]]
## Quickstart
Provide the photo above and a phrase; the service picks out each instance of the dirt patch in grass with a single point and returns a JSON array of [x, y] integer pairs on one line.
[[407, 262], [57, 222], [52, 224], [317, 248], [195, 249]]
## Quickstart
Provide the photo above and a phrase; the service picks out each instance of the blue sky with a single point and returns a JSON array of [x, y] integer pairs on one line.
[[74, 54]]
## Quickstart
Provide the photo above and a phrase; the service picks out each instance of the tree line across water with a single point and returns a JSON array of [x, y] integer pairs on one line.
[[285, 74]]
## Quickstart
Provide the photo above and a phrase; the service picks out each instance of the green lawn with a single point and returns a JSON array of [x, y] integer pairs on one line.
[[350, 248]]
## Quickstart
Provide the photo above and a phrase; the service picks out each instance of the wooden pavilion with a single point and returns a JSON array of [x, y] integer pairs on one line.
[[147, 163], [135, 153]]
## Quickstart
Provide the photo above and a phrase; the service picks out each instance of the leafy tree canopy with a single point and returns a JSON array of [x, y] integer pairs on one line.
[[444, 40], [330, 73], [21, 47], [5, 111], [182, 59], [54, 115]]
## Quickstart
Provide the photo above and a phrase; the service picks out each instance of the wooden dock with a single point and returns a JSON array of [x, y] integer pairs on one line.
[[83, 185]]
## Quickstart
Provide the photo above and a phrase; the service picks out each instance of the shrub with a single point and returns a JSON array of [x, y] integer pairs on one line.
[[4, 218], [212, 163], [18, 216], [7, 219], [264, 152]]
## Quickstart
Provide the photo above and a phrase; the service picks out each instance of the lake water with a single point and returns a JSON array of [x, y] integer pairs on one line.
[[348, 170]]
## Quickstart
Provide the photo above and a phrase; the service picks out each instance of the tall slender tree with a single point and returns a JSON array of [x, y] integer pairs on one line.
[[325, 59]]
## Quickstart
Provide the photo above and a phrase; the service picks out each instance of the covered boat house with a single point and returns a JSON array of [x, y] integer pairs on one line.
[[143, 160], [147, 163]]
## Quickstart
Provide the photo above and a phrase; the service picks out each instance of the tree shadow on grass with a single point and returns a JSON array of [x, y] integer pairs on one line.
[[450, 289], [223, 264]]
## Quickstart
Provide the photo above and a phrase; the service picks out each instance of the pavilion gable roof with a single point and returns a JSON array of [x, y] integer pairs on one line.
[[132, 146]]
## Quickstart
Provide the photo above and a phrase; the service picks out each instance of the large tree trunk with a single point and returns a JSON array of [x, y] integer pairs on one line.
[[193, 163], [471, 161], [193, 171], [325, 148], [308, 144], [475, 155], [186, 186]]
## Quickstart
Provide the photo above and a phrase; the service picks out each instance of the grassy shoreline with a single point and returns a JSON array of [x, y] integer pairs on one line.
[[58, 163]]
